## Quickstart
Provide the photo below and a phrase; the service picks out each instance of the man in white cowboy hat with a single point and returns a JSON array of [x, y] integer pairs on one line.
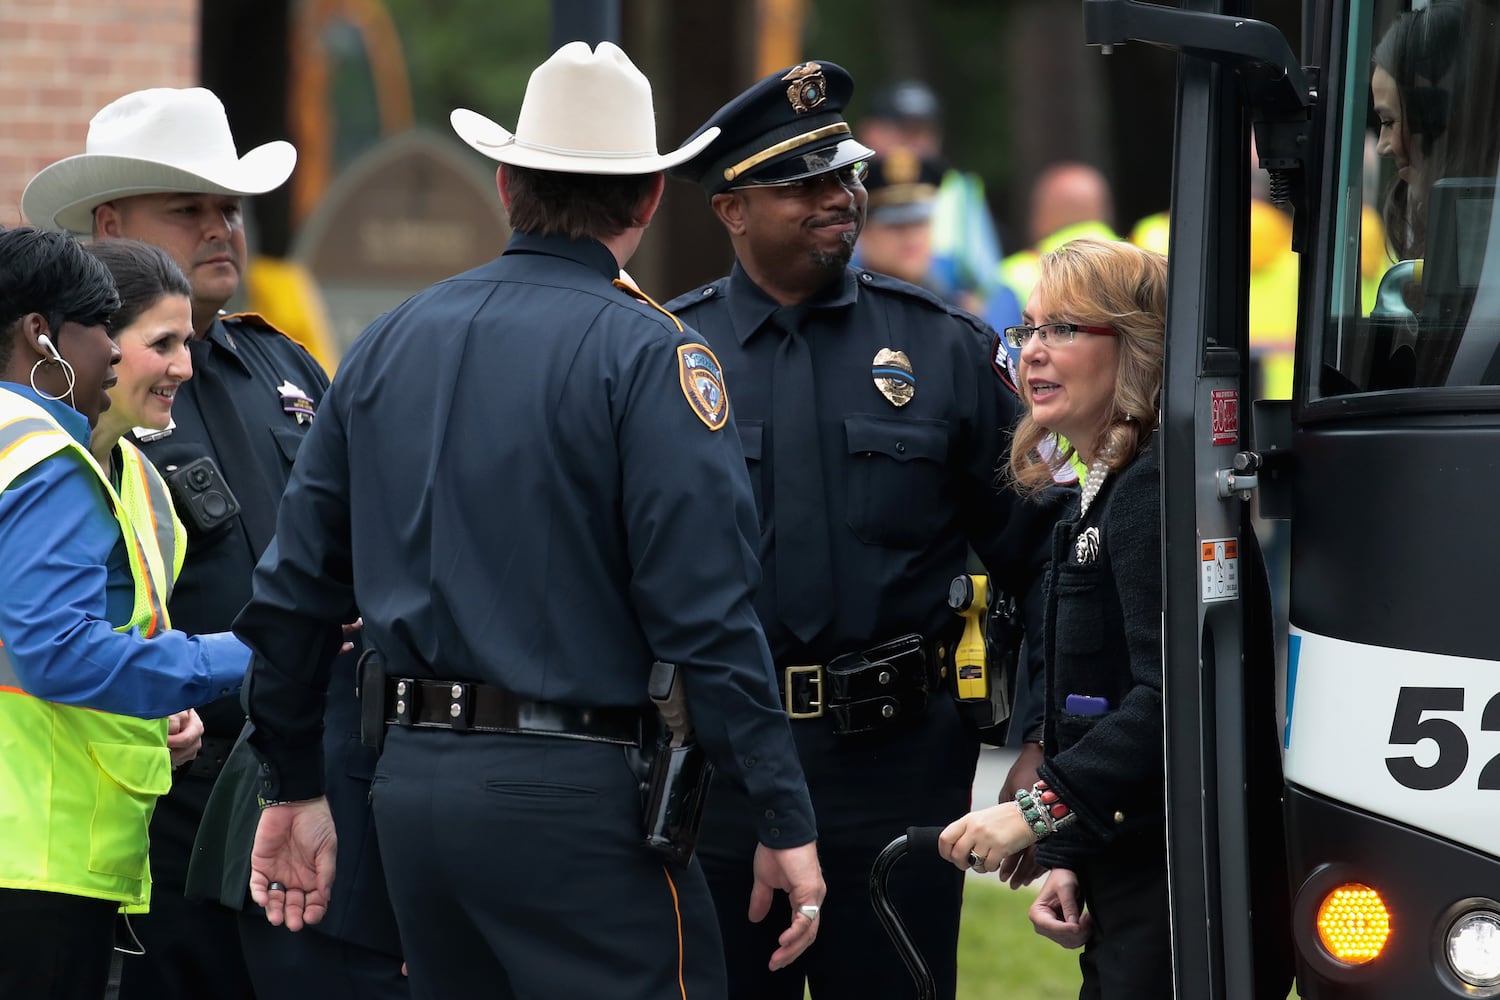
[[531, 479], [161, 166]]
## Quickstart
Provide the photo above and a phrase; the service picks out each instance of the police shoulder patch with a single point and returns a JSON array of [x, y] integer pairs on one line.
[[702, 380]]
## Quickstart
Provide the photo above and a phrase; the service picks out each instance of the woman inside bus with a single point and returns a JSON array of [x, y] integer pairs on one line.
[[1091, 372], [1411, 85], [86, 660], [151, 328]]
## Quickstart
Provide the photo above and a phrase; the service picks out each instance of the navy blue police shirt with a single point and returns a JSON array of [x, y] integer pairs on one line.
[[907, 486], [517, 472]]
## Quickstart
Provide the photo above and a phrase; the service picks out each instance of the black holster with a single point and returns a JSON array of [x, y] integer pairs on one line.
[[674, 791], [371, 674]]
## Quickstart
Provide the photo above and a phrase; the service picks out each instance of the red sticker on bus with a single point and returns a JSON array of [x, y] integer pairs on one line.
[[1226, 416]]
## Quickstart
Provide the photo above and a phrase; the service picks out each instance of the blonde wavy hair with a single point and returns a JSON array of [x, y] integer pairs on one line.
[[1121, 286]]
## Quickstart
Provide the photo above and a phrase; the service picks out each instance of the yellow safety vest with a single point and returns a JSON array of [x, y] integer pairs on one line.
[[78, 786]]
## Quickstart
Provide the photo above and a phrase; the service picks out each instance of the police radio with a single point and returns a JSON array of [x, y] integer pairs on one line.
[[202, 497]]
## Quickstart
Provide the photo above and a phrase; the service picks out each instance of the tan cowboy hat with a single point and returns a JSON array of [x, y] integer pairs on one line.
[[149, 142], [585, 112]]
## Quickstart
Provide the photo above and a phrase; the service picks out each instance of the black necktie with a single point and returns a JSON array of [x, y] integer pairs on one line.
[[236, 457], [804, 566]]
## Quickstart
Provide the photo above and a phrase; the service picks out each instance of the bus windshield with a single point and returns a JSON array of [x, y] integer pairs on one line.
[[1415, 286]]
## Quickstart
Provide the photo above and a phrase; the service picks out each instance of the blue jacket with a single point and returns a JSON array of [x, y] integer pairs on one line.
[[527, 477], [68, 585]]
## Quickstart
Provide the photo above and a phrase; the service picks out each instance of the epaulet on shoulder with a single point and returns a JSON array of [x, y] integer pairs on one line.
[[650, 305], [703, 293], [254, 321], [886, 283]]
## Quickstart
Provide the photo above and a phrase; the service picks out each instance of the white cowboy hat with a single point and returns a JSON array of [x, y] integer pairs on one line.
[[149, 142], [585, 112]]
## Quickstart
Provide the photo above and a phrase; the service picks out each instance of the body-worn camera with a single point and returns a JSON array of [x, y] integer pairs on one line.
[[204, 500]]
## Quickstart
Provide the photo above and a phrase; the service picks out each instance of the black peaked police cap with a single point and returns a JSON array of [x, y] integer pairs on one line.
[[788, 126]]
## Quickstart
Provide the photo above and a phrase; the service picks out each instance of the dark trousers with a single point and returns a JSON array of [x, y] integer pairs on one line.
[[308, 963], [54, 945], [1129, 953], [866, 791], [192, 951], [516, 870]]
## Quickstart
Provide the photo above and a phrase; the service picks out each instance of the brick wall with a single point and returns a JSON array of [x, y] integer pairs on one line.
[[63, 60]]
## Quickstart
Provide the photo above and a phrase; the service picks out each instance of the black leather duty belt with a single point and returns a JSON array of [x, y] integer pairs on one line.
[[873, 689], [464, 706]]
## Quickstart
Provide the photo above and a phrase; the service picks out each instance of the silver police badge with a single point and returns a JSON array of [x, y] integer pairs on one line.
[[893, 376]]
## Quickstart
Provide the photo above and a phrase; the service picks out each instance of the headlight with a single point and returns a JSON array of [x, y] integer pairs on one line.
[[1474, 948]]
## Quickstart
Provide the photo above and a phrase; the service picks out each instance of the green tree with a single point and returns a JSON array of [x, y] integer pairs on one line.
[[471, 53]]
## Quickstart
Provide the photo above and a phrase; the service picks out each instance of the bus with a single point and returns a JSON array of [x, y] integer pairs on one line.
[[1376, 841]]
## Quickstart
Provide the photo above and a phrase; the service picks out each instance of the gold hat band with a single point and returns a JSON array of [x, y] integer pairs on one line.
[[751, 162]]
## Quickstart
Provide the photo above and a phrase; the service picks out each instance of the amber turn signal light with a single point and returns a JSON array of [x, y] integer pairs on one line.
[[1353, 923]]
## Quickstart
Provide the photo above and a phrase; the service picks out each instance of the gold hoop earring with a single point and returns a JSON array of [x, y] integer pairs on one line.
[[67, 373]]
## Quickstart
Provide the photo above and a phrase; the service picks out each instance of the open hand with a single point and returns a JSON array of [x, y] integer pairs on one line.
[[796, 872], [292, 863]]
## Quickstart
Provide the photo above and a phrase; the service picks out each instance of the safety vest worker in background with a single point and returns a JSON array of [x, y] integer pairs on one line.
[[1069, 201], [1273, 284]]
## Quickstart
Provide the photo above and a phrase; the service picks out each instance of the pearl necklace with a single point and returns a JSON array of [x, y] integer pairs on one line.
[[1093, 482]]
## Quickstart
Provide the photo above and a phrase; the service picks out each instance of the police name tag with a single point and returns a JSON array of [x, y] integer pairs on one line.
[[296, 402]]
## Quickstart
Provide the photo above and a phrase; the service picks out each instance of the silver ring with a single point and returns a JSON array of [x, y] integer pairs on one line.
[[274, 886], [810, 912]]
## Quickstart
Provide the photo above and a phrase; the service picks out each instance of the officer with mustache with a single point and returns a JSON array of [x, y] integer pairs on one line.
[[874, 423]]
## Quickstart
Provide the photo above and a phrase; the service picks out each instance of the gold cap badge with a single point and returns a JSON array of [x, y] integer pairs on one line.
[[807, 88]]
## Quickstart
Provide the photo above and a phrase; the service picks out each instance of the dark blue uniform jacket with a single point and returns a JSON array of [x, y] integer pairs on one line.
[[907, 486], [510, 475]]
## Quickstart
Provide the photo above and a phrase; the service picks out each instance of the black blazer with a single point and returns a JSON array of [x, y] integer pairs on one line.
[[1103, 641]]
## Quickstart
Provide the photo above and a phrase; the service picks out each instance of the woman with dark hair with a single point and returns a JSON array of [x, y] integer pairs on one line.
[[89, 669], [1412, 85], [1091, 372], [151, 329]]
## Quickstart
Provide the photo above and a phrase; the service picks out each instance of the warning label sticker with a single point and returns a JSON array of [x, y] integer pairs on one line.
[[1226, 416], [1220, 558]]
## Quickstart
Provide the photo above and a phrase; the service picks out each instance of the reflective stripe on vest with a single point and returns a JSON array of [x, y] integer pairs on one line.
[[148, 503], [29, 436]]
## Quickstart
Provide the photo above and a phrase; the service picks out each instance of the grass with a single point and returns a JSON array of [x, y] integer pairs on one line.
[[1000, 957]]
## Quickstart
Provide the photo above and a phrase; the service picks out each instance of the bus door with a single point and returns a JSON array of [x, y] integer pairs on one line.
[[1226, 864], [1385, 462]]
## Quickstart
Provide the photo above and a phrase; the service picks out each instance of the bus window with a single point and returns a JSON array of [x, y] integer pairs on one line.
[[1415, 294]]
